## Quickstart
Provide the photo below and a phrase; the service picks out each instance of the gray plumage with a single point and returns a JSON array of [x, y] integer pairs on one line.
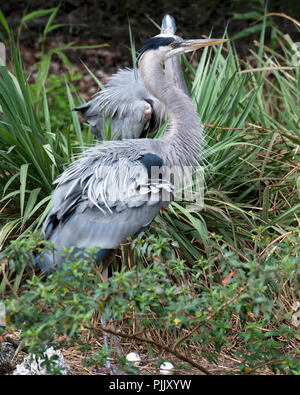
[[111, 192], [125, 107], [105, 197]]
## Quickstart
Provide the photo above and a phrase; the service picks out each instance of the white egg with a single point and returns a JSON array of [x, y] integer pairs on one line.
[[133, 357], [166, 368]]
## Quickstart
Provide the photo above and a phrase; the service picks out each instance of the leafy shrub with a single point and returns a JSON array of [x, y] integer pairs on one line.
[[194, 304]]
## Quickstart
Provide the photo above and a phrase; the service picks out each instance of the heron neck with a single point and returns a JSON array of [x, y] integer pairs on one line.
[[184, 133], [174, 75]]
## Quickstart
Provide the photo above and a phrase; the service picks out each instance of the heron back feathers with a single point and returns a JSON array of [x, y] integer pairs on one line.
[[120, 107], [105, 197]]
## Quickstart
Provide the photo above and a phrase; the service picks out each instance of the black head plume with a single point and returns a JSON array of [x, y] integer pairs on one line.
[[154, 43]]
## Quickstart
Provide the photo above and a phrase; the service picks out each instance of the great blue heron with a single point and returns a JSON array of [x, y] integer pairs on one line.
[[125, 105], [115, 190]]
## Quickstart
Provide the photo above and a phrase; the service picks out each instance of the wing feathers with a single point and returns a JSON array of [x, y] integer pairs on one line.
[[125, 105], [99, 202]]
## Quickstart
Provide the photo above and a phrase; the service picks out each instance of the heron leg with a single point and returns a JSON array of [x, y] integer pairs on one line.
[[117, 343], [106, 262], [106, 345]]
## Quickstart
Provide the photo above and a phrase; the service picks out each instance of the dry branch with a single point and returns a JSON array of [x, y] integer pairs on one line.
[[177, 354]]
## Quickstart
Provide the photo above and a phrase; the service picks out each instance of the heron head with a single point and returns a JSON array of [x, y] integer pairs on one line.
[[168, 46]]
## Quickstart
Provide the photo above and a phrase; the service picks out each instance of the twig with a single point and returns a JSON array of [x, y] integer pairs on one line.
[[18, 345], [276, 68], [6, 279], [275, 241], [254, 127], [161, 346], [278, 14], [249, 371]]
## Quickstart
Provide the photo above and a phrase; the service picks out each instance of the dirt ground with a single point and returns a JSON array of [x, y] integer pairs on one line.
[[76, 359]]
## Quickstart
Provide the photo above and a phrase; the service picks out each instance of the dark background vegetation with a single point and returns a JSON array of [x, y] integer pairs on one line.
[[108, 20], [96, 21]]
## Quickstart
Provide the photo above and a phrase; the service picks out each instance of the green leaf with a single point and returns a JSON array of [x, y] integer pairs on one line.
[[250, 30], [93, 75], [42, 73], [4, 24], [23, 178], [30, 206], [6, 230], [50, 20], [74, 116], [37, 14], [247, 15], [46, 112]]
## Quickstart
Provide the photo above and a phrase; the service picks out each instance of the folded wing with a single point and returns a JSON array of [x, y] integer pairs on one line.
[[124, 108], [101, 202]]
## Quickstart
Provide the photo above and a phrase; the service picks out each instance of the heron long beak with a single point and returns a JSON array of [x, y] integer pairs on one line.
[[186, 46]]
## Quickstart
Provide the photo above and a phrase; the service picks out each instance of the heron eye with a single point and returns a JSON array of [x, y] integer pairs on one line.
[[173, 45]]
